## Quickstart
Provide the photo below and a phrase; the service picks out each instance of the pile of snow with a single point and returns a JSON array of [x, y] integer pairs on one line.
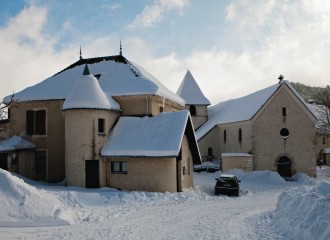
[[265, 175], [303, 213], [303, 178], [23, 205]]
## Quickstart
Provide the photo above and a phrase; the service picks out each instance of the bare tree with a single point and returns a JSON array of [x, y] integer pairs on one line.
[[5, 124], [322, 109]]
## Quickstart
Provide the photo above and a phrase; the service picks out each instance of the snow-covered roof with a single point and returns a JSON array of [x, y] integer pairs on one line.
[[118, 77], [15, 143], [236, 155], [158, 136], [87, 93], [190, 91], [241, 109], [227, 175], [322, 113], [325, 150]]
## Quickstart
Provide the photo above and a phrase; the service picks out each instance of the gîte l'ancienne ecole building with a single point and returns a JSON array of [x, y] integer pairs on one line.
[[106, 121]]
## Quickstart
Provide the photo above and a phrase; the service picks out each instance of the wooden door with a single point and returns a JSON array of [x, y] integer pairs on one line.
[[92, 173], [4, 161]]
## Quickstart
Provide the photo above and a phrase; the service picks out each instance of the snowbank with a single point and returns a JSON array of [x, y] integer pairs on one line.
[[265, 175], [23, 205], [303, 212], [303, 178]]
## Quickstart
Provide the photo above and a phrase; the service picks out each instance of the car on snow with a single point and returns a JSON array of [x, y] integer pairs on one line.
[[227, 185]]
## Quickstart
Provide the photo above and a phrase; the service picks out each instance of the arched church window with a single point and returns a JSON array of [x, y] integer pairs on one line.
[[192, 110], [240, 135], [224, 136]]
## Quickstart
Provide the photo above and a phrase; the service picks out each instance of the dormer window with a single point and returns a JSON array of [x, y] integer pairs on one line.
[[192, 110], [97, 76]]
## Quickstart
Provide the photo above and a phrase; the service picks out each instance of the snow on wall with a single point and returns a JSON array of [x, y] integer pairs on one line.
[[190, 91], [87, 93], [303, 212], [158, 136], [23, 205], [241, 109], [14, 143], [117, 79]]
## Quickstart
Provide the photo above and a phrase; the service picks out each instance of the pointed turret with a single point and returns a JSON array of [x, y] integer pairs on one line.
[[87, 94], [86, 70], [190, 91]]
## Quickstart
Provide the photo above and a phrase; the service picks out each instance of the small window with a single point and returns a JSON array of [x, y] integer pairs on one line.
[[119, 167], [240, 135], [29, 122], [284, 132], [210, 152], [36, 122], [284, 112], [192, 110], [161, 109], [101, 125], [224, 136], [324, 140], [40, 122]]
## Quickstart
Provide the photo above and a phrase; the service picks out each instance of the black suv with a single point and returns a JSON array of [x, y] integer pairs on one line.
[[227, 184]]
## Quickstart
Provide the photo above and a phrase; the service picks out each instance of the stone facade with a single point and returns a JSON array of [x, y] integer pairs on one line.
[[261, 135]]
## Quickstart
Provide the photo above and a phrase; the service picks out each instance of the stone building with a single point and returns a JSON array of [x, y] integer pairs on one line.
[[70, 117], [274, 125]]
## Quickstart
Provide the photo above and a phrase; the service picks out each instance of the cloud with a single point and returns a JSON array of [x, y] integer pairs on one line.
[[27, 54], [113, 6], [154, 13]]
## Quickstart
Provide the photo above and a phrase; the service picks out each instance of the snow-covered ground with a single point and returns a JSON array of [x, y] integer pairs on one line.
[[267, 208]]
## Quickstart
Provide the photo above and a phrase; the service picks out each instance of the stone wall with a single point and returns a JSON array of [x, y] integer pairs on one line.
[[53, 142], [83, 142]]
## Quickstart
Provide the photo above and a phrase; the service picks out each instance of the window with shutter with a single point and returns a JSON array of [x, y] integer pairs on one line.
[[29, 122], [41, 122]]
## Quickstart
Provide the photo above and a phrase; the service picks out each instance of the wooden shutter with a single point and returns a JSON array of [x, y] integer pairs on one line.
[[29, 122], [41, 122]]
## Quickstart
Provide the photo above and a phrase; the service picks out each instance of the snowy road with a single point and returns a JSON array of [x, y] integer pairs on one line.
[[194, 214]]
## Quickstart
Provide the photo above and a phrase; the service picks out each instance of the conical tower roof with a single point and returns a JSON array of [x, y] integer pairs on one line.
[[190, 91], [87, 93]]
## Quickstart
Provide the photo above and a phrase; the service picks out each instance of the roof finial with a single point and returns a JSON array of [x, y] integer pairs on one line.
[[86, 70], [121, 52], [280, 78], [80, 53]]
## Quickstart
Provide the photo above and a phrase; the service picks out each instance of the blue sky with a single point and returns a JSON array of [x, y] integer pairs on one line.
[[232, 48]]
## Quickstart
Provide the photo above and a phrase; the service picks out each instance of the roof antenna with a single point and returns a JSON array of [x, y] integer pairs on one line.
[[121, 52], [80, 53], [280, 78]]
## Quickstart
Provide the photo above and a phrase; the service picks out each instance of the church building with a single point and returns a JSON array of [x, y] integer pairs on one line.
[[273, 129]]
